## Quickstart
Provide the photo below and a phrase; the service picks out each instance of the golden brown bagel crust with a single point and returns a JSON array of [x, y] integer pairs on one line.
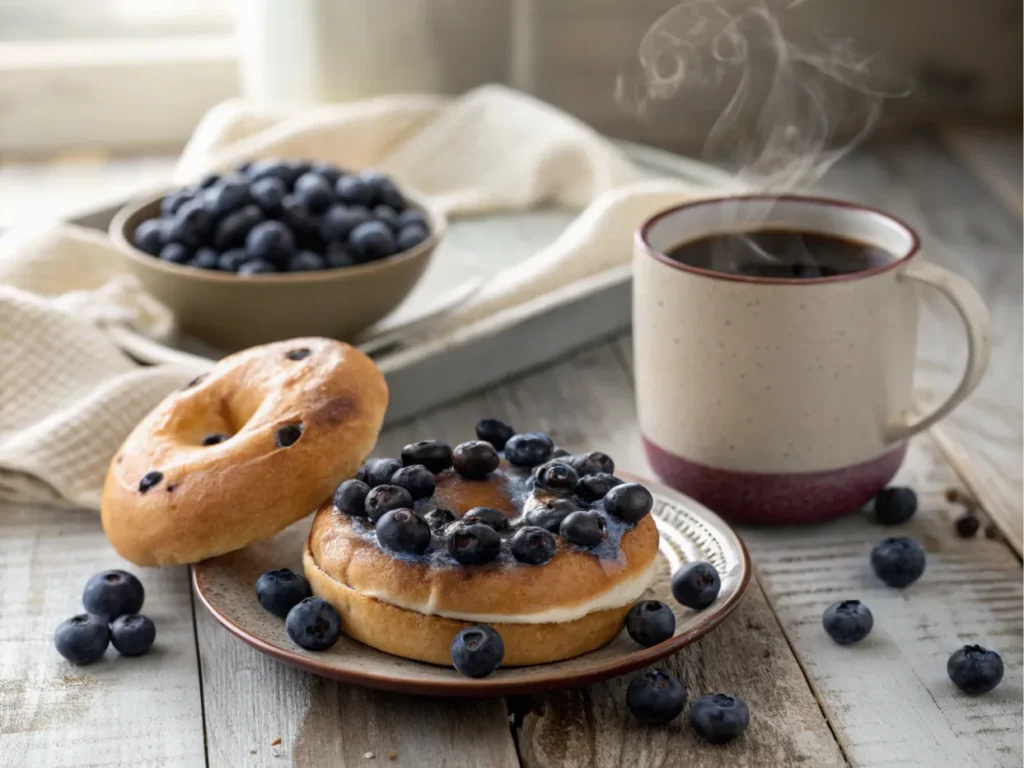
[[428, 638], [218, 498]]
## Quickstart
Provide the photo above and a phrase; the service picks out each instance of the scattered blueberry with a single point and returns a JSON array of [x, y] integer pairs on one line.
[[270, 240], [556, 476], [385, 498], [82, 639], [313, 190], [176, 253], [894, 506], [432, 454], [718, 718], [650, 622], [528, 449], [256, 267], [489, 516], [477, 651], [268, 194], [655, 697], [472, 543], [205, 258], [378, 471], [215, 438], [132, 634], [149, 236], [583, 528], [287, 435], [232, 260], [967, 525], [593, 488], [371, 240], [416, 479], [899, 562], [848, 621], [402, 530], [550, 514], [439, 518], [974, 669], [696, 585], [410, 237], [192, 224], [110, 594], [354, 190], [475, 459], [278, 591], [629, 501], [533, 545], [494, 432], [305, 261], [592, 464], [149, 480], [313, 624], [350, 497]]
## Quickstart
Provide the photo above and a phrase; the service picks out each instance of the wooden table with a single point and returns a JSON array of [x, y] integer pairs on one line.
[[202, 697]]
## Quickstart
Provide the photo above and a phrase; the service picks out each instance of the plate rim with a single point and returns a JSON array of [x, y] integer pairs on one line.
[[494, 687]]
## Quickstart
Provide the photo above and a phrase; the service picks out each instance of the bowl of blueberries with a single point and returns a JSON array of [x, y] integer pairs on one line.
[[278, 249]]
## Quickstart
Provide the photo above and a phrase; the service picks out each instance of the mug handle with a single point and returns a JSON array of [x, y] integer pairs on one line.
[[976, 320]]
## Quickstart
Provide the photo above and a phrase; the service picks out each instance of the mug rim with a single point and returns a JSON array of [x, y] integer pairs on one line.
[[650, 221]]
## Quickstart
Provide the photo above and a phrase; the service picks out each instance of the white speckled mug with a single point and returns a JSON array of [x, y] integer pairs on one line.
[[785, 400]]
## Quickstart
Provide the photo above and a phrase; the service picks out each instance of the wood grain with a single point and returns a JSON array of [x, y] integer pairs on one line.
[[143, 711]]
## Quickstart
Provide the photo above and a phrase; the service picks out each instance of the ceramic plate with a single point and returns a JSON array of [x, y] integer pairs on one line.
[[688, 530]]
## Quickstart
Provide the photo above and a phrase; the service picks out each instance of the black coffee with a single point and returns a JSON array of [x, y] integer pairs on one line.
[[780, 254]]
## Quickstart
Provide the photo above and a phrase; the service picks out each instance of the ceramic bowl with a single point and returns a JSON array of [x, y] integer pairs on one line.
[[231, 312]]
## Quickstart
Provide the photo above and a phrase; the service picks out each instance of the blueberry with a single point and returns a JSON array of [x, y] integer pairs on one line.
[[288, 435], [489, 516], [340, 220], [899, 562], [110, 594], [268, 194], [533, 545], [475, 459], [313, 190], [494, 432], [432, 454], [170, 204], [412, 217], [338, 256], [477, 651], [305, 261], [848, 621], [270, 240], [232, 260], [472, 543], [192, 224], [205, 258], [350, 497], [132, 634], [439, 518], [82, 639], [230, 194], [402, 530], [583, 528], [974, 669], [556, 476], [298, 218], [278, 591], [718, 718], [149, 236], [528, 449], [655, 697], [353, 190], [378, 471], [650, 622], [215, 438], [371, 241], [629, 501], [330, 173], [967, 525], [269, 169], [234, 227], [150, 480], [595, 487], [386, 215], [895, 505], [387, 193], [176, 253], [208, 180], [256, 267], [313, 624], [410, 237], [385, 498], [416, 479], [696, 585], [550, 514], [592, 463]]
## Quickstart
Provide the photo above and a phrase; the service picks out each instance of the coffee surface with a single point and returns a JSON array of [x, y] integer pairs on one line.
[[779, 254]]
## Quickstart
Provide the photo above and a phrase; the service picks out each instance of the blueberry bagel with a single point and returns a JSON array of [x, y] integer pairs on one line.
[[513, 538], [243, 451]]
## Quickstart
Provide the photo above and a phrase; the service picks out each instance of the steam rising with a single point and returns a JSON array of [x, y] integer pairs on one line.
[[791, 110]]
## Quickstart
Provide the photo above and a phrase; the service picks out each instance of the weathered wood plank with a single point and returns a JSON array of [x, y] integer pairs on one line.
[[144, 711]]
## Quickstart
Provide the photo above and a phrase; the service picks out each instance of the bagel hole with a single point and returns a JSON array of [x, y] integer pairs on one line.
[[288, 434]]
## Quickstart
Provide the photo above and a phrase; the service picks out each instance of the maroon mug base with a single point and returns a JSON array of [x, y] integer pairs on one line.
[[776, 498]]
